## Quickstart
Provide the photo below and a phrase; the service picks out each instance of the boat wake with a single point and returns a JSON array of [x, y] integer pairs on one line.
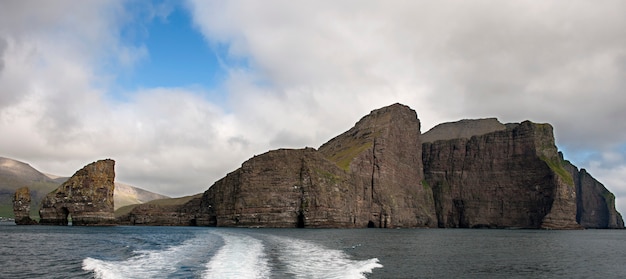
[[228, 253], [242, 256], [305, 259]]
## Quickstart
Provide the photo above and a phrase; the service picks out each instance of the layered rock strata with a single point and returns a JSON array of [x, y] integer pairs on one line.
[[282, 188], [505, 178], [369, 176], [21, 207], [382, 154], [595, 204], [86, 198], [383, 173]]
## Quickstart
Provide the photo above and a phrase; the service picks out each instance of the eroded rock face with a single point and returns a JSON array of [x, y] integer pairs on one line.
[[281, 188], [87, 197], [470, 173], [21, 207], [369, 176], [506, 178], [382, 153], [595, 204]]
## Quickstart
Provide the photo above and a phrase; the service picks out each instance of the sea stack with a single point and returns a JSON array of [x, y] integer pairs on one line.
[[87, 198], [21, 207]]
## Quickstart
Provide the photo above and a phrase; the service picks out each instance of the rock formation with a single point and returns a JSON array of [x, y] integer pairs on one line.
[[383, 156], [595, 204], [384, 173], [164, 212], [21, 207], [504, 178], [281, 188], [87, 197], [366, 177]]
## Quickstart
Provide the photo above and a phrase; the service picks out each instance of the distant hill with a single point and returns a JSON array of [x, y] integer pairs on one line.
[[465, 128], [159, 202], [15, 174]]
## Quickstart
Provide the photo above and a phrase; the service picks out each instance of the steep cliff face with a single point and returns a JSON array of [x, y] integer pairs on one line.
[[281, 188], [506, 178], [87, 197], [595, 204], [369, 176], [382, 153], [21, 207]]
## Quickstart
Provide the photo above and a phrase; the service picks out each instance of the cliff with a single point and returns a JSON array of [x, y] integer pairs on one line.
[[382, 173], [595, 204], [21, 207], [87, 197], [281, 188], [369, 176], [504, 178], [382, 154]]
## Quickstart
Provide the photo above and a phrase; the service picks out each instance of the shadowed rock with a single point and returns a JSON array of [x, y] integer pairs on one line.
[[595, 204], [507, 178], [87, 197], [383, 155], [470, 173], [21, 207]]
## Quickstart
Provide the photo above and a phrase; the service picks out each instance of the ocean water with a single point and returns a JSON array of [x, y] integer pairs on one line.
[[200, 252]]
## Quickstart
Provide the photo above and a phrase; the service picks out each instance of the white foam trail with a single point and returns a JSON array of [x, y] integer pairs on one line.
[[147, 264], [308, 260], [241, 256]]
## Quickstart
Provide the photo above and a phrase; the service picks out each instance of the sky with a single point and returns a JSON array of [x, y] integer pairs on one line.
[[180, 93]]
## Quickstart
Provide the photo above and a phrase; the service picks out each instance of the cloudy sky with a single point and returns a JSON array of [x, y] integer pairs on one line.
[[180, 93]]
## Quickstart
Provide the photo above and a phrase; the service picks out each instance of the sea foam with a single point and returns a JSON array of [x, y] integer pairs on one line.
[[305, 259], [242, 256], [150, 263]]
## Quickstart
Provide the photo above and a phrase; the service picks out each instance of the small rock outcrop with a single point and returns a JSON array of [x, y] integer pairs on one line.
[[86, 198], [164, 212], [21, 207]]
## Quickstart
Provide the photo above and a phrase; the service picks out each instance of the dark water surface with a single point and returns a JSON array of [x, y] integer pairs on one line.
[[197, 252]]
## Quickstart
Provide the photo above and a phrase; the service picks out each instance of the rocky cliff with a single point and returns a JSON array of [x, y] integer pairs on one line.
[[382, 154], [382, 173], [595, 204], [366, 177], [282, 188], [504, 178], [87, 197], [21, 207]]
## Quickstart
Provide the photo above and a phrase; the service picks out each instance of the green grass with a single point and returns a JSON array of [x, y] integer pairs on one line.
[[6, 211], [425, 185], [557, 167], [345, 156]]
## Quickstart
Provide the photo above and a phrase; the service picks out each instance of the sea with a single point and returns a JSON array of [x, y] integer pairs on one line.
[[206, 252]]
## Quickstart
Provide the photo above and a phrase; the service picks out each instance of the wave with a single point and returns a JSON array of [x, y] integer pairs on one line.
[[305, 259], [226, 253], [154, 263], [242, 256]]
